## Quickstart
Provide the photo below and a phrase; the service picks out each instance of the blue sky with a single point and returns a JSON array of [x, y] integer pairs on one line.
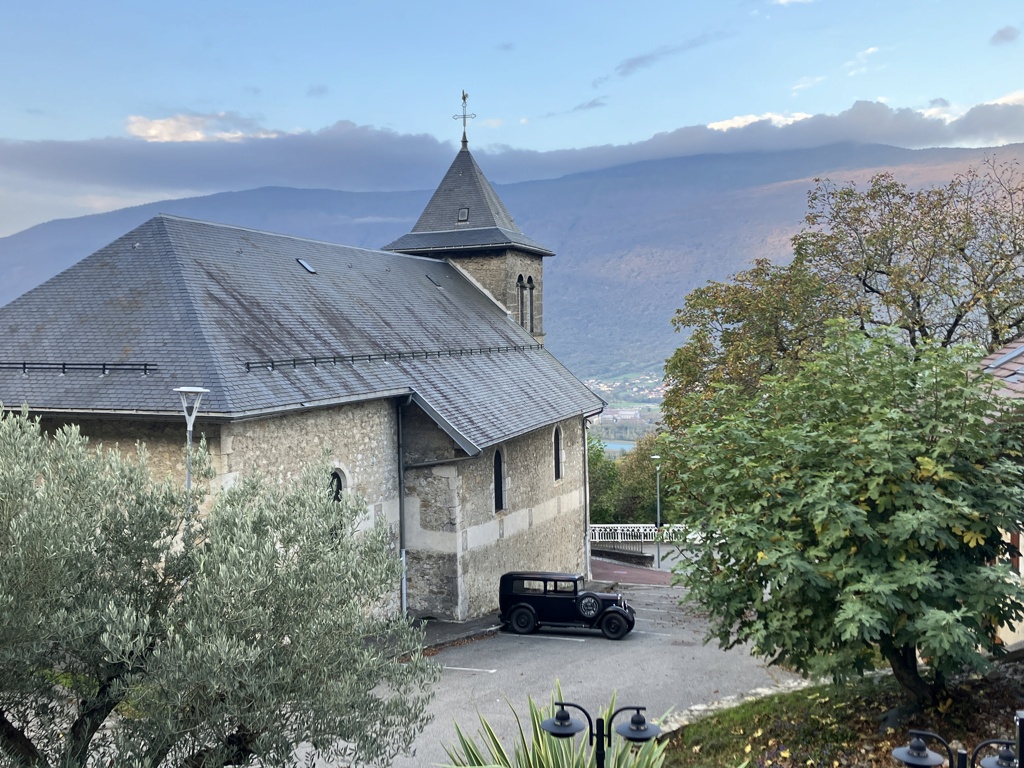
[[107, 104]]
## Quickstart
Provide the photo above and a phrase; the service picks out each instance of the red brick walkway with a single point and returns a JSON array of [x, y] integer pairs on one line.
[[609, 570]]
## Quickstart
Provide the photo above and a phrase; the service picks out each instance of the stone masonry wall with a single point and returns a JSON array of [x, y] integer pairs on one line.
[[498, 272], [544, 525], [459, 545], [164, 441], [359, 439]]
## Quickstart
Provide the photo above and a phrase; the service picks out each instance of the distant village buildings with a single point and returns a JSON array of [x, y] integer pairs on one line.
[[418, 369]]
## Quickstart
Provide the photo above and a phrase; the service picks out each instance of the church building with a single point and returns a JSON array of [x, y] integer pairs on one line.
[[419, 369]]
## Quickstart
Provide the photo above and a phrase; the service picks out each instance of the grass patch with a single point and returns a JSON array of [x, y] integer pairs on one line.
[[806, 727], [841, 726]]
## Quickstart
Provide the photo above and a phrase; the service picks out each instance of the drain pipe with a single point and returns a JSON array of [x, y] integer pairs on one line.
[[399, 404], [586, 497]]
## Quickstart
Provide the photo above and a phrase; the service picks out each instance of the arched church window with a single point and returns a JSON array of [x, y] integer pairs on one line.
[[337, 484], [558, 453], [499, 481], [529, 302], [521, 298]]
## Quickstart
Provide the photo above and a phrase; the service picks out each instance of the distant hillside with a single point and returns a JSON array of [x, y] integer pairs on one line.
[[631, 241]]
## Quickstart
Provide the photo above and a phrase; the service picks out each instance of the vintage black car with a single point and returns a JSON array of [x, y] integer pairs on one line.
[[531, 599]]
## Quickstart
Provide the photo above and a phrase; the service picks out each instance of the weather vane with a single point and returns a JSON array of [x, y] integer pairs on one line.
[[464, 117]]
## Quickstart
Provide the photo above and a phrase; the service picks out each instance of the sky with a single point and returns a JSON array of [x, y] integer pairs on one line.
[[111, 103]]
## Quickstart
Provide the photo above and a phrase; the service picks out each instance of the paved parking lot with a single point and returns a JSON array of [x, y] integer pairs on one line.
[[663, 665]]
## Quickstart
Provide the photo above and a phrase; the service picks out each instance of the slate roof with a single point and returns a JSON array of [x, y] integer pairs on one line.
[[1007, 365], [485, 223], [178, 302]]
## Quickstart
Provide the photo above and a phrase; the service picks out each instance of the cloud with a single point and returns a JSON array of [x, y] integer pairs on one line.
[[806, 82], [316, 91], [1005, 35], [592, 104], [342, 156], [1017, 97], [220, 126], [859, 64], [741, 121], [46, 179], [634, 64]]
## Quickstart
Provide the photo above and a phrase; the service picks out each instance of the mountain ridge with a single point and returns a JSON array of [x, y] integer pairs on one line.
[[630, 241]]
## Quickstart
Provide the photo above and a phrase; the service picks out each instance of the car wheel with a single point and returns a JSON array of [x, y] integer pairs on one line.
[[614, 626], [521, 621], [588, 605]]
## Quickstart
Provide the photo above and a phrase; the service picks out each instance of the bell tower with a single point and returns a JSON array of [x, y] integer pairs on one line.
[[466, 223]]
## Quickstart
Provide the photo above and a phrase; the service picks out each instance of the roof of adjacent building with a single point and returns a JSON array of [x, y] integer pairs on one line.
[[1007, 365], [465, 213], [271, 323]]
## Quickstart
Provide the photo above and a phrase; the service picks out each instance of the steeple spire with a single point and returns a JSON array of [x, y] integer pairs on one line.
[[464, 117]]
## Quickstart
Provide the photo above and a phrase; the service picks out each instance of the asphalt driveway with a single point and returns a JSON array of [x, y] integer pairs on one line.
[[663, 665]]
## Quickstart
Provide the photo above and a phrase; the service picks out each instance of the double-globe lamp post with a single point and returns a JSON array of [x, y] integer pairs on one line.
[[917, 753], [191, 397], [564, 726]]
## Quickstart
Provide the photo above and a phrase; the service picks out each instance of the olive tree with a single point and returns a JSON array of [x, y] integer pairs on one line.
[[264, 630], [856, 507]]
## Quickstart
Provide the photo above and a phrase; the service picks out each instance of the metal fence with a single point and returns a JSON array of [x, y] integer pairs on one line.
[[632, 537]]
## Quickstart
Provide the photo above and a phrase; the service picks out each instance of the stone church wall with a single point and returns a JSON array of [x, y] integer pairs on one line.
[[499, 276], [459, 545], [360, 438], [544, 525]]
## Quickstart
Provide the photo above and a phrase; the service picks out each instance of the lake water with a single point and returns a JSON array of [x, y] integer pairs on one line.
[[618, 446]]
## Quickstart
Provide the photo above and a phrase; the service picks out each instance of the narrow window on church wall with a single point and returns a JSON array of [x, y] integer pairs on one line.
[[558, 453], [338, 484], [529, 285], [521, 296], [499, 481]]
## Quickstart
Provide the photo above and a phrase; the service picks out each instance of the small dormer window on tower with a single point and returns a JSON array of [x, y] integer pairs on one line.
[[463, 215]]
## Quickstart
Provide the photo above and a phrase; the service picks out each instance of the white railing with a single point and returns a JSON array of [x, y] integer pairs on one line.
[[633, 533], [623, 533]]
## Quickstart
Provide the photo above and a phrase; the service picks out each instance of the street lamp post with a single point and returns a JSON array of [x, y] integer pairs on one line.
[[917, 753], [657, 480], [564, 726], [191, 397]]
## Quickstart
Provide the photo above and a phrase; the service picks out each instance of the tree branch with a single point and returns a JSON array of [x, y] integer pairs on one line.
[[235, 750], [94, 712], [17, 745]]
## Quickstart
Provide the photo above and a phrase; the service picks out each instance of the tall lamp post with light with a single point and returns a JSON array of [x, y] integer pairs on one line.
[[917, 753], [657, 502], [564, 726], [191, 397]]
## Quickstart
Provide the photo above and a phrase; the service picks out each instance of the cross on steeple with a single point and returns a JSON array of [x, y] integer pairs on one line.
[[464, 117]]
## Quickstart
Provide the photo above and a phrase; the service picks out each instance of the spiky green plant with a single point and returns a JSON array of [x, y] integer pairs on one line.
[[542, 750]]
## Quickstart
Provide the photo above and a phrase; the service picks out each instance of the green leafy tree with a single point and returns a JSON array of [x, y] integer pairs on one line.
[[637, 497], [856, 506], [121, 642], [765, 320], [603, 477], [943, 264]]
